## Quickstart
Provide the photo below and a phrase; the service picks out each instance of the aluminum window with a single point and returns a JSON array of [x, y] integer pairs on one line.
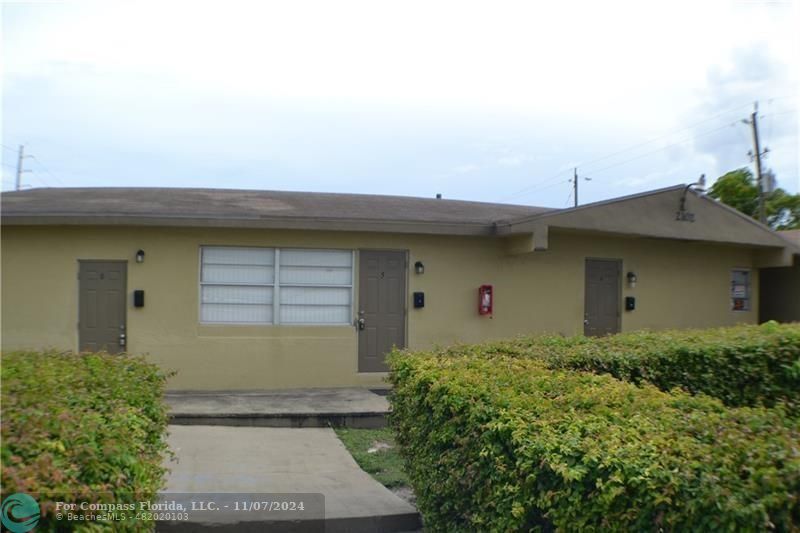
[[275, 286], [740, 289]]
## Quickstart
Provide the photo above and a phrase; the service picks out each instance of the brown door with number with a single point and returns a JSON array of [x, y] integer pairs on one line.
[[381, 318], [602, 298], [102, 304]]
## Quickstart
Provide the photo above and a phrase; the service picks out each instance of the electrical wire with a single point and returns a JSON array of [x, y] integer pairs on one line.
[[569, 197], [645, 143], [44, 167], [535, 186], [709, 132]]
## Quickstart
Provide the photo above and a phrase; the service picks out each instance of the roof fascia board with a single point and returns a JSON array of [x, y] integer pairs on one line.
[[379, 226], [792, 246]]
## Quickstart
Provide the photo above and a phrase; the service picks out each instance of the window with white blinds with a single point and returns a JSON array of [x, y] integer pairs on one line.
[[275, 286]]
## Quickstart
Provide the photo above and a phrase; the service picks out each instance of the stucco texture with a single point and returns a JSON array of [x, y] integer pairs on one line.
[[680, 284]]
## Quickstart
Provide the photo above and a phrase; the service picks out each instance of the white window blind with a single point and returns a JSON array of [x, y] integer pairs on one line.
[[276, 286], [315, 286], [236, 285]]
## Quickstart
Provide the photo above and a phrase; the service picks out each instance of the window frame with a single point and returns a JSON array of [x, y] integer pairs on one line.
[[748, 290], [276, 286]]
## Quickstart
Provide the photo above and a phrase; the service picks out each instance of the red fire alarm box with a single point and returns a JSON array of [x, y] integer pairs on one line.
[[485, 300]]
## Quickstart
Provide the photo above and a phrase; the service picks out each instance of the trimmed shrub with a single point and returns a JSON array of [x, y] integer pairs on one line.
[[742, 366], [82, 427], [499, 443]]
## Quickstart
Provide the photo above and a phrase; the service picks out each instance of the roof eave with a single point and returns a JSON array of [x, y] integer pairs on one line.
[[294, 223]]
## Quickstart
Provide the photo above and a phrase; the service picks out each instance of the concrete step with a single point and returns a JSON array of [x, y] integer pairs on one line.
[[230, 464], [295, 408]]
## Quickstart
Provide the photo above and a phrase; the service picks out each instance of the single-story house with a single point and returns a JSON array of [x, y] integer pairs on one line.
[[238, 289], [780, 288]]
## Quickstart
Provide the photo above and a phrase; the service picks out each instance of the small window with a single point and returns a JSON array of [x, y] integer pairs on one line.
[[275, 286], [740, 290]]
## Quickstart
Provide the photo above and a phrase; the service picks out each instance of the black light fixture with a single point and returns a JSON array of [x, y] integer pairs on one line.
[[419, 268], [140, 256], [682, 214], [632, 279]]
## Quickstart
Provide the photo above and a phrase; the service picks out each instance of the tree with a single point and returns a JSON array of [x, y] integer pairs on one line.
[[739, 190]]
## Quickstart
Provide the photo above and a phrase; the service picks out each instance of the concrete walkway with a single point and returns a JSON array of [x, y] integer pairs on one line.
[[359, 408], [214, 460]]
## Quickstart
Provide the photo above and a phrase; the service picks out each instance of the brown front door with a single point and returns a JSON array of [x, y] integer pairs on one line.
[[101, 304], [381, 307], [601, 306]]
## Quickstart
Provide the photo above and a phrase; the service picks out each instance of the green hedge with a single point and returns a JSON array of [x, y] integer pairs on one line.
[[742, 365], [81, 427], [498, 443]]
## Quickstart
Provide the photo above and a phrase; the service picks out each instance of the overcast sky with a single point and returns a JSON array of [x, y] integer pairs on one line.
[[492, 101]]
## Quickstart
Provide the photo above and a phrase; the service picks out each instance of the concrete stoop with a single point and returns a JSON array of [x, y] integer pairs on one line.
[[265, 462], [297, 408]]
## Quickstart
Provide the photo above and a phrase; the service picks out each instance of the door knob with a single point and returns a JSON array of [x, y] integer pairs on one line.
[[585, 321], [362, 323], [122, 339]]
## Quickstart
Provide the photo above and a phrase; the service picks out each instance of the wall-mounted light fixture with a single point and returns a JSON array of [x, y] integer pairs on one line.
[[419, 268], [140, 256], [632, 279]]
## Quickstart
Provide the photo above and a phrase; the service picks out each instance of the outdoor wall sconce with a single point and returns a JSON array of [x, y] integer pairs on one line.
[[140, 256], [419, 268], [632, 279]]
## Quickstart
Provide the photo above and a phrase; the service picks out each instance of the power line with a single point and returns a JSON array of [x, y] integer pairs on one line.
[[535, 186], [44, 167], [670, 134], [550, 186], [661, 149], [785, 112]]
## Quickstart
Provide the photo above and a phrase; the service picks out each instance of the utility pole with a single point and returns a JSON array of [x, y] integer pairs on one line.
[[20, 170], [753, 122], [575, 185], [574, 181]]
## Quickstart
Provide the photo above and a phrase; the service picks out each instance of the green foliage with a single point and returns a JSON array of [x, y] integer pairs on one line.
[[739, 190], [82, 427], [742, 366], [494, 440], [384, 464]]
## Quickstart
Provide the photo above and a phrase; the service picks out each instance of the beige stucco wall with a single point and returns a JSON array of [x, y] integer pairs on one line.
[[681, 284]]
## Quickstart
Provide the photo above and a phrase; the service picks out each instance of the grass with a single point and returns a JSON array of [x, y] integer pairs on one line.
[[385, 464]]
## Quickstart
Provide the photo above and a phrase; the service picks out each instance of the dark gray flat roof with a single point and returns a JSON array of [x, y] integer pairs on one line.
[[250, 208], [234, 208]]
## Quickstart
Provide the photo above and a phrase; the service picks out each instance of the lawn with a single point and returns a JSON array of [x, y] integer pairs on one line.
[[376, 453]]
